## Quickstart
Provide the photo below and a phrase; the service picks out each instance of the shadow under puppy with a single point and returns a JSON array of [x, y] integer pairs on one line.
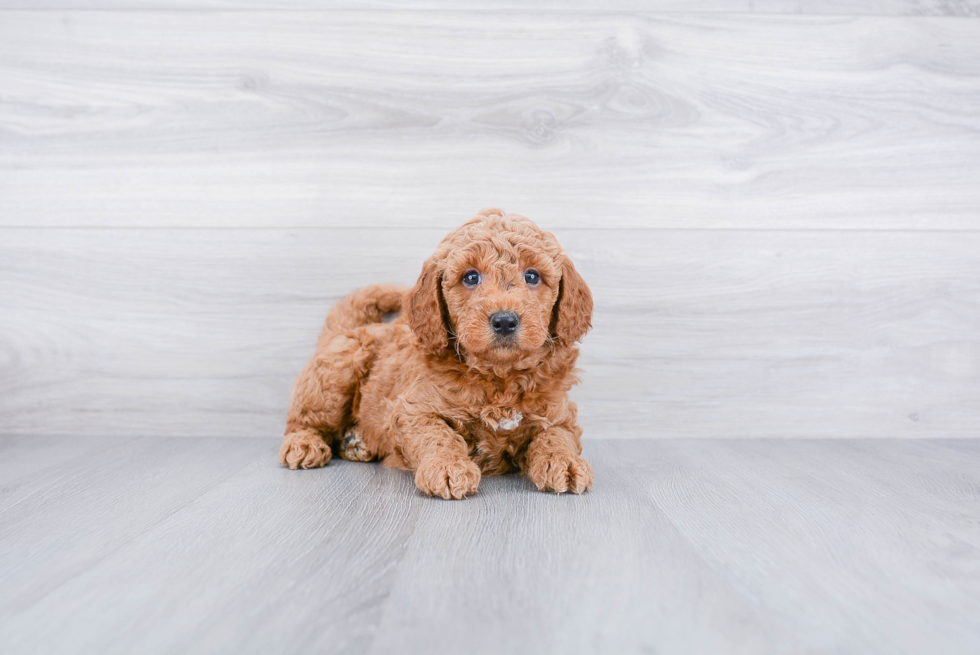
[[472, 377]]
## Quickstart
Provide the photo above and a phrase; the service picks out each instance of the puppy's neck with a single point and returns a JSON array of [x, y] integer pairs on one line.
[[547, 362], [503, 370]]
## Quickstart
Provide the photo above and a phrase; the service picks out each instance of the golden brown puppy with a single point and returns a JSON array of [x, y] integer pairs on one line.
[[472, 376]]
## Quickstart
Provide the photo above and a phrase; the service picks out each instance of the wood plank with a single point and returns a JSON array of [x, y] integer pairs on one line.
[[697, 333], [541, 573], [28, 464], [969, 8], [92, 506], [740, 546], [413, 118], [862, 537], [268, 560]]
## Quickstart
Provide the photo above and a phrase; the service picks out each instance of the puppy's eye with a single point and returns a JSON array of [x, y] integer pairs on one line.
[[532, 277], [471, 278]]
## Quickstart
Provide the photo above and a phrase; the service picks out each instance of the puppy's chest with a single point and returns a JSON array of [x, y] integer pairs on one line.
[[499, 434]]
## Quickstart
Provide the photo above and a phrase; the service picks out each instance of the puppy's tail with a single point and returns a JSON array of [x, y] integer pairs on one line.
[[365, 306]]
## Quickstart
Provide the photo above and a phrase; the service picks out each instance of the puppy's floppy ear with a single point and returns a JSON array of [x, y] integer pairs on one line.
[[571, 317], [425, 308]]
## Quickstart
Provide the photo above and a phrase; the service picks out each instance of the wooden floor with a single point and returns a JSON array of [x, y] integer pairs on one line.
[[162, 545]]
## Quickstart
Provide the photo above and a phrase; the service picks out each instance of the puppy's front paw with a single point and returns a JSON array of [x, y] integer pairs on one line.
[[561, 472], [304, 450], [448, 478]]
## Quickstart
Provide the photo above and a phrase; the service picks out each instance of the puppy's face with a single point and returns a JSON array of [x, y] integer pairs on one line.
[[500, 289], [500, 292]]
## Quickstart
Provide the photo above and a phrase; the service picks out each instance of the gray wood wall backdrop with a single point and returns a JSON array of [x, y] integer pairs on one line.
[[777, 203]]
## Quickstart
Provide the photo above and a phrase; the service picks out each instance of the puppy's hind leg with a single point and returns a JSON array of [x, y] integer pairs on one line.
[[320, 407], [353, 448]]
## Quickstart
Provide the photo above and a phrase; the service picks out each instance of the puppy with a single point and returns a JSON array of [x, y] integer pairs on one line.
[[471, 378]]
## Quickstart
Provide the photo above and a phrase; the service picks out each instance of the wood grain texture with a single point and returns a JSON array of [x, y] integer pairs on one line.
[[575, 574], [739, 546], [847, 528], [356, 118], [777, 213], [93, 504], [26, 465], [266, 549], [966, 8], [696, 333]]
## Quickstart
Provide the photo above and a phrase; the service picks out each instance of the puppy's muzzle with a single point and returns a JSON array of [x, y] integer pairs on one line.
[[504, 324]]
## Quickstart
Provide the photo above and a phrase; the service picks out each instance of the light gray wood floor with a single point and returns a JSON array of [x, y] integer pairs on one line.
[[158, 545]]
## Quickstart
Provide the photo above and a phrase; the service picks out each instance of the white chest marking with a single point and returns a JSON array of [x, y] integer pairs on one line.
[[510, 423]]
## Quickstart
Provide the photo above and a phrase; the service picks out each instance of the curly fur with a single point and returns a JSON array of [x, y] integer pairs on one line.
[[436, 390]]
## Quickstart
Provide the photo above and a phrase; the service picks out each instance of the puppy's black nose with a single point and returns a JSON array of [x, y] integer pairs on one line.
[[504, 323]]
